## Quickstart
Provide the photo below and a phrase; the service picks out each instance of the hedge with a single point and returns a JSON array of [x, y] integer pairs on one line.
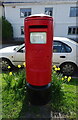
[[7, 30]]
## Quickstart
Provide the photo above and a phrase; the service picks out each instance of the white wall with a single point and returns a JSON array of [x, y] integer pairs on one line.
[[61, 15], [0, 11], [63, 20]]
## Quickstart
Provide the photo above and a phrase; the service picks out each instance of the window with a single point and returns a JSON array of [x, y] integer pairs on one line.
[[38, 37], [74, 12], [73, 30], [49, 11], [24, 12], [22, 30], [19, 47], [60, 47], [68, 49]]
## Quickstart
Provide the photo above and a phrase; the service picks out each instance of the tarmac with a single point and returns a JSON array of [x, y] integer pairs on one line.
[[10, 43]]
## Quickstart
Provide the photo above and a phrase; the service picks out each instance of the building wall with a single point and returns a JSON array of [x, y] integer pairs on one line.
[[61, 16], [0, 11]]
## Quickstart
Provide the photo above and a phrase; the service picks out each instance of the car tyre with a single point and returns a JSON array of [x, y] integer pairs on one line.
[[68, 68], [4, 63]]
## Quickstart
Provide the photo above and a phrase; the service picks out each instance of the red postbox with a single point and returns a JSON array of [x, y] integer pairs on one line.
[[38, 43]]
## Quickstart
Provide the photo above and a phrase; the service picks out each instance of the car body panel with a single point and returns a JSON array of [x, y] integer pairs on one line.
[[69, 57], [19, 58]]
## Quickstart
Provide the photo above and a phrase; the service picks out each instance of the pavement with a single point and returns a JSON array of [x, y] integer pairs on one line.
[[39, 113]]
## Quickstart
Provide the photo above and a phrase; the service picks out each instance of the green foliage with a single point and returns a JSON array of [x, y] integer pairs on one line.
[[7, 30], [57, 93], [1, 29], [70, 99], [15, 82], [14, 94], [11, 106], [64, 95]]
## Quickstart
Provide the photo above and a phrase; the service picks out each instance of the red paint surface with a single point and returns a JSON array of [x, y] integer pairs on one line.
[[38, 56]]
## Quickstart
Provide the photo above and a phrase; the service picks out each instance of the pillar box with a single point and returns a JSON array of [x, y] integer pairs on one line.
[[38, 44]]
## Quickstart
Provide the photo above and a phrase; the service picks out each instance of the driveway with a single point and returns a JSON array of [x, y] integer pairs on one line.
[[5, 45]]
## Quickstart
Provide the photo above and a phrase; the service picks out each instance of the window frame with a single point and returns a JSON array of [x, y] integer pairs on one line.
[[71, 15], [64, 45], [21, 30], [27, 12], [72, 31], [49, 8]]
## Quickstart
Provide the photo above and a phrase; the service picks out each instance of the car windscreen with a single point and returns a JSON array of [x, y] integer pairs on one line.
[[19, 47]]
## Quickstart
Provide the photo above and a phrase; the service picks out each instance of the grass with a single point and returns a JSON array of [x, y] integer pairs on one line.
[[65, 100], [11, 105], [0, 96], [14, 99], [70, 98], [12, 95]]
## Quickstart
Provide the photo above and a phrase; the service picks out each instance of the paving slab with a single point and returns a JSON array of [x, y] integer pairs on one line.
[[44, 112]]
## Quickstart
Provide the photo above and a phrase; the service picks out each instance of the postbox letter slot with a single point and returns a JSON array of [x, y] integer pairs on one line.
[[38, 26]]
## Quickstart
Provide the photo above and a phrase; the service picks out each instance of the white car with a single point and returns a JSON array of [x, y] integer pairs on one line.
[[65, 55]]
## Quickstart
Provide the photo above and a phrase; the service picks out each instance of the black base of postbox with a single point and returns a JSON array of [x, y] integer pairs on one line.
[[39, 95]]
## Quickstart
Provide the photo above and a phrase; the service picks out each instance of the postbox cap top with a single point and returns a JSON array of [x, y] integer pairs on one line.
[[39, 15]]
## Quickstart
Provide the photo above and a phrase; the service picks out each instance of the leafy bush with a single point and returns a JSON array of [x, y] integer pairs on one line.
[[1, 29], [7, 30], [15, 82], [57, 93], [58, 80]]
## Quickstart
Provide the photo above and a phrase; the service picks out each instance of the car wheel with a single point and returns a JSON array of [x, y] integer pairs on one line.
[[4, 63], [68, 68]]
